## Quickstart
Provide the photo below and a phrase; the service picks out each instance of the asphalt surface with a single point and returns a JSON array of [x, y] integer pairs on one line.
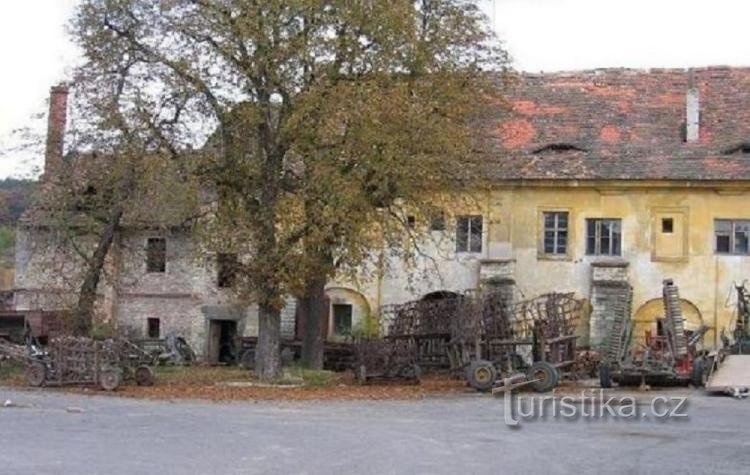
[[51, 433]]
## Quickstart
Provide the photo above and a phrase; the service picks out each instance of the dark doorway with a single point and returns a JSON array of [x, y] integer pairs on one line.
[[222, 345], [154, 328], [342, 319]]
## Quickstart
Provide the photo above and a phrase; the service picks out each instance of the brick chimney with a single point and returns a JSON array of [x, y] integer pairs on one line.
[[58, 116]]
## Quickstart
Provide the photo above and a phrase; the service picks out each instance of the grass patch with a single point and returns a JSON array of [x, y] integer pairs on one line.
[[314, 378]]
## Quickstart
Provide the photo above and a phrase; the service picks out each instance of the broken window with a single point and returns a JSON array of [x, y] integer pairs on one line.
[[437, 222], [227, 270], [555, 232], [154, 330], [342, 319], [732, 236], [469, 234], [603, 237], [156, 255]]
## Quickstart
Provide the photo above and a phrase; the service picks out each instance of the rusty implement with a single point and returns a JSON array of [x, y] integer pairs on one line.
[[669, 357], [73, 360], [482, 336]]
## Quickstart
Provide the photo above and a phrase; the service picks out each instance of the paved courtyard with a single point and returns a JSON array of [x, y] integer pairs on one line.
[[51, 433]]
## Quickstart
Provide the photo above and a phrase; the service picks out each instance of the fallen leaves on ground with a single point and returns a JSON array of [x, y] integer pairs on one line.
[[205, 383]]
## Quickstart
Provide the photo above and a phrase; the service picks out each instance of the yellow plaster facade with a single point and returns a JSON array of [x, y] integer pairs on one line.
[[667, 232]]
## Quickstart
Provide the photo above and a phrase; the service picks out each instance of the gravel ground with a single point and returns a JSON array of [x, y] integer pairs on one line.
[[51, 433]]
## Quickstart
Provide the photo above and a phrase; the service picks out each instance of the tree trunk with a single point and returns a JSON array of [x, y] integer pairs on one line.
[[268, 352], [315, 310], [83, 314]]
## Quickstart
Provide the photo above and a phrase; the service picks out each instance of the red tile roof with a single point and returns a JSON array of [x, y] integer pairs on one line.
[[629, 124]]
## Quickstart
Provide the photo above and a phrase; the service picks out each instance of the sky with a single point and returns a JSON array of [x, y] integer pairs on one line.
[[541, 35]]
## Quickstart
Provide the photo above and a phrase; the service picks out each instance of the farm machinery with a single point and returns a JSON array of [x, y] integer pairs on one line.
[[669, 357], [741, 332], [73, 360], [493, 343]]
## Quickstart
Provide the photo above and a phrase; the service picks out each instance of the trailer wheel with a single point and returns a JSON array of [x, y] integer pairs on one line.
[[605, 376], [110, 379], [699, 375], [546, 374], [481, 375], [36, 374], [144, 376]]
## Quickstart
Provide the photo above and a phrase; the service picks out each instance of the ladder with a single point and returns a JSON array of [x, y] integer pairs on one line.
[[674, 318]]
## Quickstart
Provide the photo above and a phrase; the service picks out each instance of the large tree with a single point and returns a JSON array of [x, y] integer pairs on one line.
[[333, 120]]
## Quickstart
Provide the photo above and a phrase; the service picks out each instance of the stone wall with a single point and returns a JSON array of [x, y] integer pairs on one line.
[[610, 292]]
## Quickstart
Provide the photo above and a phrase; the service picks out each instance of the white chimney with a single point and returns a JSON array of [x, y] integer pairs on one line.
[[692, 121]]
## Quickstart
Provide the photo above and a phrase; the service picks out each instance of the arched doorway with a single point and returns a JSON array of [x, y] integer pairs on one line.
[[647, 316], [349, 312]]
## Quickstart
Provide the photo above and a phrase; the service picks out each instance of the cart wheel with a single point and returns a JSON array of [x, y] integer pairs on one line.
[[481, 375], [144, 376], [605, 376], [36, 374], [699, 375], [110, 379], [247, 361], [547, 376]]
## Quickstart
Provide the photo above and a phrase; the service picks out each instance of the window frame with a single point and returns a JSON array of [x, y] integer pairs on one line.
[[471, 237], [732, 237], [151, 267], [556, 230], [597, 251]]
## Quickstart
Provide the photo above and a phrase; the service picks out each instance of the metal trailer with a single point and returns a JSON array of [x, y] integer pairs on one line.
[[71, 361], [337, 356], [481, 336], [510, 345], [670, 358]]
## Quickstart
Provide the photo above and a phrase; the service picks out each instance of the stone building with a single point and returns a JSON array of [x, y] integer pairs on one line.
[[601, 181]]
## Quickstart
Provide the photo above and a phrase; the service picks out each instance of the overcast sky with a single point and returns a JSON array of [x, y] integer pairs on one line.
[[542, 35]]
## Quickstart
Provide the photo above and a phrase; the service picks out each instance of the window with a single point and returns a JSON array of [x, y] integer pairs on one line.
[[153, 327], [603, 237], [469, 234], [667, 225], [555, 233], [342, 319], [156, 255], [411, 221], [732, 236], [227, 270], [437, 222]]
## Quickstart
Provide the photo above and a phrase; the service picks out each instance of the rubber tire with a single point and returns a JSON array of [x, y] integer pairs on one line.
[[696, 376], [110, 379], [36, 374], [605, 376], [144, 376], [550, 373], [481, 375]]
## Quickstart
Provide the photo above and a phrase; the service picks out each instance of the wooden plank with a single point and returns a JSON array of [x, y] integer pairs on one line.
[[733, 372]]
